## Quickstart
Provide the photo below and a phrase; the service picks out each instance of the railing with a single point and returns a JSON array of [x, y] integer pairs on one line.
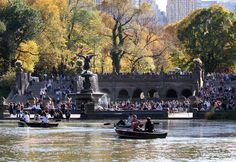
[[148, 76]]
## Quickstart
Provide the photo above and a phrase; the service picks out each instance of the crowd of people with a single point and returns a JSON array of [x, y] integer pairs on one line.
[[159, 105], [56, 111], [217, 93]]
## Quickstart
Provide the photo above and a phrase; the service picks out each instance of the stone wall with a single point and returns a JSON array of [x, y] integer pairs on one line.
[[165, 85]]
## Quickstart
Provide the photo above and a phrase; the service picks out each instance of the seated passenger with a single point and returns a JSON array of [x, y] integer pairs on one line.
[[129, 120], [149, 126], [67, 115], [26, 117], [44, 118], [135, 123], [37, 117]]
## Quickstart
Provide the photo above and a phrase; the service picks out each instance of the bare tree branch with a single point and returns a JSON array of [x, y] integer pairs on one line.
[[31, 53]]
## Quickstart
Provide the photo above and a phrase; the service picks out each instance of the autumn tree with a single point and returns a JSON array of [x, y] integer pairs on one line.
[[175, 51], [143, 46], [52, 39], [210, 34], [21, 23], [28, 54], [123, 13]]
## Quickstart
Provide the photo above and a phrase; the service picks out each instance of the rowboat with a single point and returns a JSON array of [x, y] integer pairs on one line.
[[129, 133], [37, 124]]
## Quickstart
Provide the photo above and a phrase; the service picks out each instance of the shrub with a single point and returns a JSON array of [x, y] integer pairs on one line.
[[8, 79]]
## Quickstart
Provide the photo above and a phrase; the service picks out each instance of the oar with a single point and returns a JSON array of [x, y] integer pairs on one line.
[[107, 124], [156, 123]]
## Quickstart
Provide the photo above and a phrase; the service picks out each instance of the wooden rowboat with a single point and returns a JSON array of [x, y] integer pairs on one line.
[[129, 133], [37, 124]]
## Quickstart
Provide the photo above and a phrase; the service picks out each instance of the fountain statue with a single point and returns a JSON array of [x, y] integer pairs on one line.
[[86, 74], [87, 98]]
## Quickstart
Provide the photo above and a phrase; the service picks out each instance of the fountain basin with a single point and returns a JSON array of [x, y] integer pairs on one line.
[[86, 101]]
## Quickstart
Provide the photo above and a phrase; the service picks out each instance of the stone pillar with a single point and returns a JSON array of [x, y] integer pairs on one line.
[[1, 112], [22, 81], [162, 89], [198, 74], [114, 92], [2, 108]]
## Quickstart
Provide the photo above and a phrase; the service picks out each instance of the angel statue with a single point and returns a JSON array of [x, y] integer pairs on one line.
[[86, 60]]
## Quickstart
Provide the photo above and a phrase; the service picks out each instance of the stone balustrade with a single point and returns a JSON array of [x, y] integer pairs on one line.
[[145, 77]]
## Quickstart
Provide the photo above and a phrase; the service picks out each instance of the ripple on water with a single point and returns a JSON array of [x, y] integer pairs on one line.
[[186, 141]]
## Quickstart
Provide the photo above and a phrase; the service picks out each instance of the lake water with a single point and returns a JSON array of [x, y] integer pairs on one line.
[[187, 140]]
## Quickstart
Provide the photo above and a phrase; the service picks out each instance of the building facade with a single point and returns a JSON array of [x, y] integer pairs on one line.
[[178, 9]]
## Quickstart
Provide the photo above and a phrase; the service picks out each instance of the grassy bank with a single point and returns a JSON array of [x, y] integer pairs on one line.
[[229, 115]]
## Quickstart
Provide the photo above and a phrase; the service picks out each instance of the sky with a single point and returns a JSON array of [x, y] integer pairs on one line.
[[162, 3]]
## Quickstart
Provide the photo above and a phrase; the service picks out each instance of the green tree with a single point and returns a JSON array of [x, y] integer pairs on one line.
[[2, 28], [22, 23], [210, 34], [123, 12], [84, 29], [85, 32]]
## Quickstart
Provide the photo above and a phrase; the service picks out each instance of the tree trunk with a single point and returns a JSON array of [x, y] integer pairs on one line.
[[115, 62]]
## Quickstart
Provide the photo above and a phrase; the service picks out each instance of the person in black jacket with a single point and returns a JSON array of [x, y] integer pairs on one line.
[[149, 126]]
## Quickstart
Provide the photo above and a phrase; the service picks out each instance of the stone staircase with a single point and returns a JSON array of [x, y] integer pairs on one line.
[[34, 91]]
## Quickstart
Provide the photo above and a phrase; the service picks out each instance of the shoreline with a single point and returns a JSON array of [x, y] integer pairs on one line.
[[155, 115]]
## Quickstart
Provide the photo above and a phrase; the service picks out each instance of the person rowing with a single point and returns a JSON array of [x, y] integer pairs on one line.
[[149, 126]]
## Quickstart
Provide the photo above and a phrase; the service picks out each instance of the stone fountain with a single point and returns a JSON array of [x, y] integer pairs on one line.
[[86, 99]]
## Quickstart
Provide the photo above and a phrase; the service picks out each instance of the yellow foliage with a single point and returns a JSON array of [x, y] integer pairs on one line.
[[53, 38], [125, 65], [145, 7], [28, 54], [3, 3], [104, 63], [233, 70], [107, 19]]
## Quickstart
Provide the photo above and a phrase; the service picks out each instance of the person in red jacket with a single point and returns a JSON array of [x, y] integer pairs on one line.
[[135, 123]]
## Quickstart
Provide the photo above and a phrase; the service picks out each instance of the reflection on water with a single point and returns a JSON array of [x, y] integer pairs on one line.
[[187, 140]]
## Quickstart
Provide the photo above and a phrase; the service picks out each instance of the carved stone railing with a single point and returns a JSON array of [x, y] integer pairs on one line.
[[146, 77]]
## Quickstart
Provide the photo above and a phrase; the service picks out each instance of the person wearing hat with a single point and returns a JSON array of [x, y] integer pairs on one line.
[[26, 117], [149, 126]]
